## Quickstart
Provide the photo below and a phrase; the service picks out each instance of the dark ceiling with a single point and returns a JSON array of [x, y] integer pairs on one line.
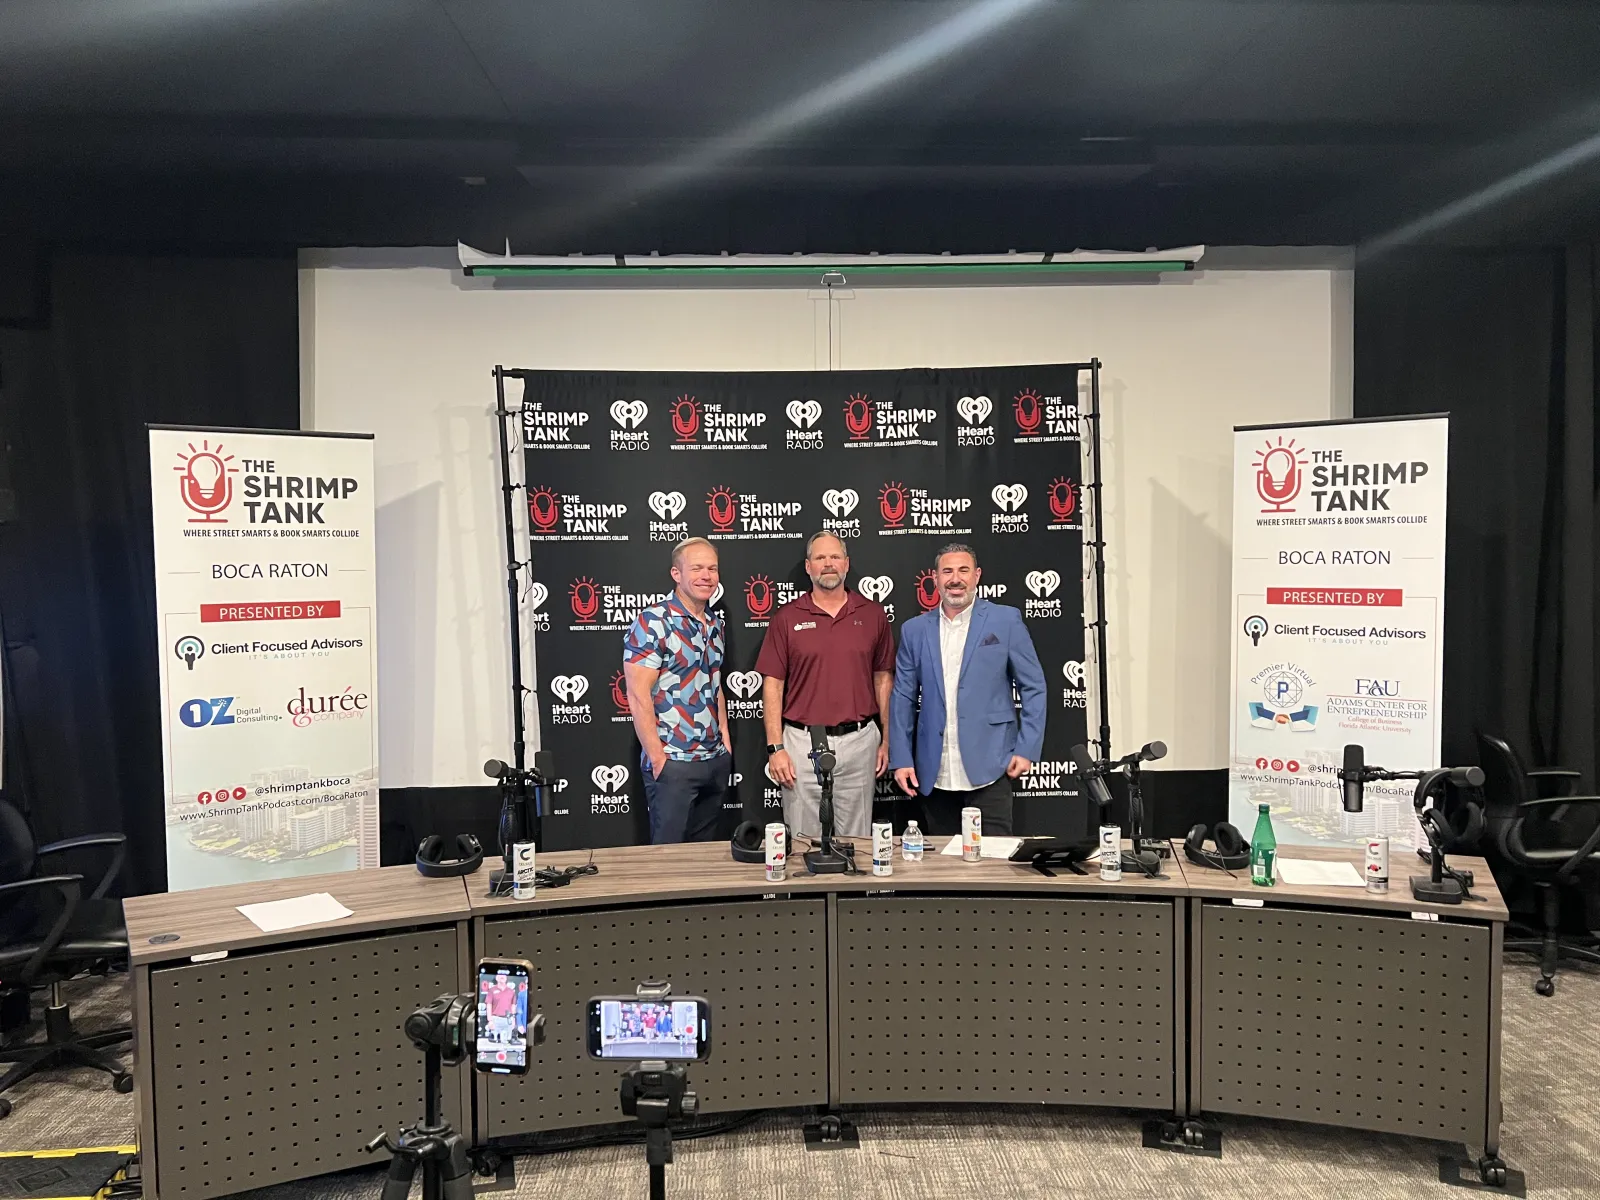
[[778, 125]]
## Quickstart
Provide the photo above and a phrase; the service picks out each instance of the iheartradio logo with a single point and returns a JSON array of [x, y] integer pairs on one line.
[[569, 688], [609, 779], [974, 410], [745, 684], [841, 502], [668, 505], [875, 587], [629, 414], [1279, 475], [537, 595], [803, 414], [1009, 497], [1072, 670], [1042, 584]]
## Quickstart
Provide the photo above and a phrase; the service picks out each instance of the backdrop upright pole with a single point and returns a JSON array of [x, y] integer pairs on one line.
[[514, 563], [1102, 676]]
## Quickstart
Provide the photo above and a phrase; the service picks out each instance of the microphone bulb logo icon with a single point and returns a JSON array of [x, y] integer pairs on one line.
[[1256, 628], [205, 482], [189, 649], [1279, 475]]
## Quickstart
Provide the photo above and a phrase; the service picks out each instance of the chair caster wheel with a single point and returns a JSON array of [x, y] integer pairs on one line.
[[830, 1127], [1545, 987], [5, 1109], [1492, 1171], [1193, 1134], [123, 1082]]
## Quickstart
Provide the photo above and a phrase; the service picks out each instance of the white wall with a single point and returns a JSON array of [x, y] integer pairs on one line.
[[405, 353]]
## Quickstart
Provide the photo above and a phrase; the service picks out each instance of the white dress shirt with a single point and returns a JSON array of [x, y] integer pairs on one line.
[[952, 646]]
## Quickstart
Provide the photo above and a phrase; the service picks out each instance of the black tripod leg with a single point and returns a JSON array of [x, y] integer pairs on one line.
[[397, 1183], [456, 1171], [658, 1181]]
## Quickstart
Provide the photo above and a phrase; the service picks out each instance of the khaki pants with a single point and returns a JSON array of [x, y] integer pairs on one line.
[[854, 778]]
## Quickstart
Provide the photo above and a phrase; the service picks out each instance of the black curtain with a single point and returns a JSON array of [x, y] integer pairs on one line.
[[125, 341], [1505, 343]]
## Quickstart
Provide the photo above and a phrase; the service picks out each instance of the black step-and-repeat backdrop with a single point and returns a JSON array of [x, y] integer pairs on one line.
[[620, 467]]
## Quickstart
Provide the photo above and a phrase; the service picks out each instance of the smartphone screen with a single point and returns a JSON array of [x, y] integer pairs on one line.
[[502, 1046], [629, 1028]]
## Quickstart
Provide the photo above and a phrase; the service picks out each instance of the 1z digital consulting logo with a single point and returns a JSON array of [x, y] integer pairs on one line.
[[697, 425], [839, 503], [629, 432], [569, 689], [1008, 499], [1042, 602], [803, 416], [668, 506], [552, 429], [1044, 418], [566, 517], [610, 795], [1074, 695], [745, 689], [975, 429], [868, 424]]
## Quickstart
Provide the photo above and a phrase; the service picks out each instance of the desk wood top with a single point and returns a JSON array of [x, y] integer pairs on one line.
[[208, 919], [705, 870], [1210, 882]]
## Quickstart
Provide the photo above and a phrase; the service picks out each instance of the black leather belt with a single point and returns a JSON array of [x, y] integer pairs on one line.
[[833, 730]]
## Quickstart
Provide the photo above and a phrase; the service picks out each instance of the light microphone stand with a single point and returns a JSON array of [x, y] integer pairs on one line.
[[824, 860]]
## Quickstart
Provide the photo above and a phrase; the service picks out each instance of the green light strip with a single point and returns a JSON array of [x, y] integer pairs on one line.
[[816, 270]]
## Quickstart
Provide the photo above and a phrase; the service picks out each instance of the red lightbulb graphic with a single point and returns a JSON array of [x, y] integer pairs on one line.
[[927, 591], [544, 509], [858, 417], [892, 504], [1278, 475], [1063, 499], [585, 599], [204, 482], [686, 418], [758, 596], [1028, 412], [723, 506], [619, 693]]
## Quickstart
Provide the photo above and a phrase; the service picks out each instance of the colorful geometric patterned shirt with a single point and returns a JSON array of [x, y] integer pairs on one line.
[[688, 653]]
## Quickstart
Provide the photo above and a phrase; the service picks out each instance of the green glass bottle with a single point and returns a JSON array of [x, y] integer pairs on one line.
[[1263, 850]]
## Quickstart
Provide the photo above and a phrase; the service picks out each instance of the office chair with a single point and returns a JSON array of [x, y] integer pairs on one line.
[[1548, 840], [50, 932]]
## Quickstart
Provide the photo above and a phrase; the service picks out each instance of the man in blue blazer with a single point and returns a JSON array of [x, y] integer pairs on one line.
[[966, 742]]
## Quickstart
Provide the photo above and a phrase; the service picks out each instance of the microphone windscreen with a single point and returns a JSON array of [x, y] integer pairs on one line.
[[1154, 750], [1354, 762], [1079, 755], [1467, 776], [495, 769]]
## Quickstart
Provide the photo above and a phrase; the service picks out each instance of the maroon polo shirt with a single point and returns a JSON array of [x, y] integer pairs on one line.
[[826, 663]]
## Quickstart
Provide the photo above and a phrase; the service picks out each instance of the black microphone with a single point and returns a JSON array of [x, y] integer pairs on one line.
[[1085, 769], [1151, 751], [495, 769], [825, 758], [1466, 776], [1354, 775]]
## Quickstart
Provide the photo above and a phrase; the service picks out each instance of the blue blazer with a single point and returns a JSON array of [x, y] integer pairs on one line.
[[998, 653]]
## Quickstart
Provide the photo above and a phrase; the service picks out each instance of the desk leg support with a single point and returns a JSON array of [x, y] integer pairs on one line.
[[144, 1078], [1186, 1133], [1491, 1167], [1180, 1009]]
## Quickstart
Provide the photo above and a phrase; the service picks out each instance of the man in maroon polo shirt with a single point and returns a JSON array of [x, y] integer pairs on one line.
[[828, 659]]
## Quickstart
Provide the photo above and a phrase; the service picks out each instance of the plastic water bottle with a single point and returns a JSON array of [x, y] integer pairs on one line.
[[911, 843]]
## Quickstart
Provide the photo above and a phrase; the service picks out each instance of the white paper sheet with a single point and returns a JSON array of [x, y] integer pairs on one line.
[[275, 915], [1309, 872], [990, 847]]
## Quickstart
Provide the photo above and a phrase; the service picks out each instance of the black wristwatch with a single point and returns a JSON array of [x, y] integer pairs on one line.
[[774, 747]]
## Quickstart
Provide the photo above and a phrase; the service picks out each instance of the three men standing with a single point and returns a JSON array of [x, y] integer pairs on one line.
[[827, 660], [967, 741]]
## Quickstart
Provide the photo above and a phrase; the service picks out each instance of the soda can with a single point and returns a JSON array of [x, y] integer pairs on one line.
[[882, 848], [777, 846], [524, 877], [971, 834], [1110, 853], [1378, 863]]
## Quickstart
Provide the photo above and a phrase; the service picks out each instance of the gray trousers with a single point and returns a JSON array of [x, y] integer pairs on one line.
[[853, 781]]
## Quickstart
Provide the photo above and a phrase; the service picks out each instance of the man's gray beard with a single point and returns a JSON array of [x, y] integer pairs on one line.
[[964, 602], [837, 583]]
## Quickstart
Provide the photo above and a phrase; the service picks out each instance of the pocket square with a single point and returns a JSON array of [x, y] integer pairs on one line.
[[991, 640]]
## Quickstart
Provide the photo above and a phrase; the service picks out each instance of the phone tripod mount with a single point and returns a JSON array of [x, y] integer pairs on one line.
[[653, 1093]]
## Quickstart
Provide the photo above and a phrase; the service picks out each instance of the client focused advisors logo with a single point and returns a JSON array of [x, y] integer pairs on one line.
[[1255, 628], [553, 428], [697, 425], [1074, 695], [745, 516], [839, 503], [913, 510], [763, 597], [975, 429], [569, 689], [745, 688], [1284, 688], [628, 432], [867, 423], [1064, 507], [1009, 499], [605, 606], [1042, 602], [610, 796], [1041, 418], [1279, 475], [190, 649], [567, 517], [205, 482], [619, 697], [537, 617], [668, 507], [803, 416]]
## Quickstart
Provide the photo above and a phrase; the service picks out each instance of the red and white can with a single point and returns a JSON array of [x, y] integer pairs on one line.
[[971, 834], [777, 845], [1377, 870]]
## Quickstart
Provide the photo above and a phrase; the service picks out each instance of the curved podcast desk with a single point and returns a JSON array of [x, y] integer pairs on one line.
[[946, 981]]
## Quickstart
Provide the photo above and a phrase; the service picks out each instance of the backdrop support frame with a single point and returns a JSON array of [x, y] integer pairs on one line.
[[514, 564], [1098, 545]]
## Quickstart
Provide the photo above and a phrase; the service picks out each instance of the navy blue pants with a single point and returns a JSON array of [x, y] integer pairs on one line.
[[686, 801]]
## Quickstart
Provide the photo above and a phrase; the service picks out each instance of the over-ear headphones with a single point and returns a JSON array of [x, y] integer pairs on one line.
[[749, 844], [1232, 852], [469, 856], [1461, 829]]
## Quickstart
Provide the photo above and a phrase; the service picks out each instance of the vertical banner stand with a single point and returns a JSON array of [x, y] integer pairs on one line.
[[1098, 545], [514, 564]]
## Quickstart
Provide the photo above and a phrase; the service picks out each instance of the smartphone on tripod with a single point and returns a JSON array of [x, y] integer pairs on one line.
[[674, 1028], [503, 1002]]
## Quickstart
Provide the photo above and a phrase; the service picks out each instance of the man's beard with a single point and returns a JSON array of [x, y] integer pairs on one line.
[[821, 581], [958, 601]]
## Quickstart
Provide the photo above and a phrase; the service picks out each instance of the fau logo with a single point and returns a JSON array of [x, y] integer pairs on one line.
[[686, 418], [858, 417]]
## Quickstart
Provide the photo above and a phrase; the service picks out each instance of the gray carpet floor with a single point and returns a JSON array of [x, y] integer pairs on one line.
[[1551, 1131]]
